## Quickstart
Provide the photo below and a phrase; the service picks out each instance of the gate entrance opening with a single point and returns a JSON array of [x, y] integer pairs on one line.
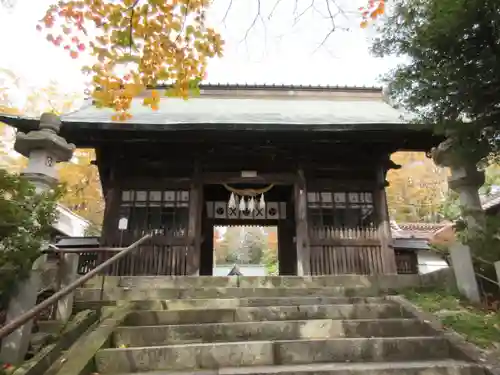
[[278, 213], [252, 250]]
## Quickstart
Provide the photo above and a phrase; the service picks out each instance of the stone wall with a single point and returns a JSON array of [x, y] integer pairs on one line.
[[444, 278]]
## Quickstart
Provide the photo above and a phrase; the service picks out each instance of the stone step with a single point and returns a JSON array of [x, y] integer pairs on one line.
[[271, 330], [449, 367], [231, 303], [266, 313], [265, 353], [94, 294], [386, 281]]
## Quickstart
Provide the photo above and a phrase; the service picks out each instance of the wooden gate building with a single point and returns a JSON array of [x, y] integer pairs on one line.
[[318, 155]]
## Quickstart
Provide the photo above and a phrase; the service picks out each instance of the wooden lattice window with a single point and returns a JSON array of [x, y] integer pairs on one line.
[[155, 209], [341, 209], [406, 262]]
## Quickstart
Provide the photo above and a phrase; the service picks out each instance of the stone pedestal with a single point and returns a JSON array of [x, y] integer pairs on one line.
[[68, 268], [461, 261], [465, 179], [44, 148], [15, 346]]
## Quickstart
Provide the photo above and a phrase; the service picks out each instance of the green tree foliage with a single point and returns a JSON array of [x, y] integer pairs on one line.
[[26, 219], [270, 256], [270, 259], [452, 77], [450, 207]]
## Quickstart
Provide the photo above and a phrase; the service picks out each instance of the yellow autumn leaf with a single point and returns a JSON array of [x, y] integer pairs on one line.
[[157, 56]]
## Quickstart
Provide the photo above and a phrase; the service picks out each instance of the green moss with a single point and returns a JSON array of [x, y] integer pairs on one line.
[[477, 324]]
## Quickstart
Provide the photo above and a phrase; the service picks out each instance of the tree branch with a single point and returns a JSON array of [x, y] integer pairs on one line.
[[227, 12], [273, 10], [258, 16]]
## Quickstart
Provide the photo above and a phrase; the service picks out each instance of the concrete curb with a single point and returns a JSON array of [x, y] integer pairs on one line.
[[42, 361], [459, 344], [80, 357], [382, 281]]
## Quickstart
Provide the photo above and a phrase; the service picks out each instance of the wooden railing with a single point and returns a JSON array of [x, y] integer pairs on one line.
[[147, 260], [337, 251]]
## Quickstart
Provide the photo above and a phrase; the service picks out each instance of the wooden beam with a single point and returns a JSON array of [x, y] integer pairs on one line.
[[153, 183], [236, 178]]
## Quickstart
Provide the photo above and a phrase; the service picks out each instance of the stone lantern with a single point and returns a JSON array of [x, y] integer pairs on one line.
[[44, 148]]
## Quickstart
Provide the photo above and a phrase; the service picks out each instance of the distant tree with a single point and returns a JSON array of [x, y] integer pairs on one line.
[[83, 188], [226, 251], [253, 245], [270, 260], [417, 190], [83, 193]]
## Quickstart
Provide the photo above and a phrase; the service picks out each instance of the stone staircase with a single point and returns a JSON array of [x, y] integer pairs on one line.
[[251, 325]]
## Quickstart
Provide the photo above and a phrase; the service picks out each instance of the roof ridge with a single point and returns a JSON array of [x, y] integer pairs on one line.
[[250, 86]]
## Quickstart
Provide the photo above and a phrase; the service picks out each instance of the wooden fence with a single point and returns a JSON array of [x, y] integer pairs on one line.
[[146, 261], [337, 251]]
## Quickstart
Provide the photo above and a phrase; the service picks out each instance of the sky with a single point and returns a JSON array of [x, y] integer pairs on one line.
[[284, 48]]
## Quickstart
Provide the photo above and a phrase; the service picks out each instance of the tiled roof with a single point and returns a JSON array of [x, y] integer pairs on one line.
[[422, 227], [333, 109], [210, 110], [259, 104], [286, 86], [415, 230]]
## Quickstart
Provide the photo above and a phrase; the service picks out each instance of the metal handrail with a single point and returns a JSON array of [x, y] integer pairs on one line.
[[488, 279], [23, 319]]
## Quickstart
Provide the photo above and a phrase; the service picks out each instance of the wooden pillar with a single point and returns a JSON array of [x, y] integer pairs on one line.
[[110, 220], [112, 200], [194, 226], [384, 226], [302, 233]]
